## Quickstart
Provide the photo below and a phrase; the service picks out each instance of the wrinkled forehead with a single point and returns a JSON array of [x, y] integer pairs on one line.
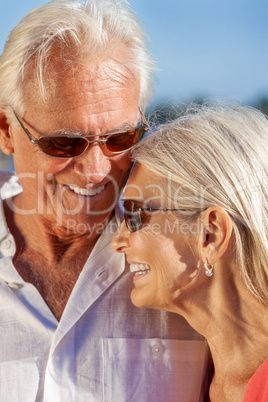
[[71, 78]]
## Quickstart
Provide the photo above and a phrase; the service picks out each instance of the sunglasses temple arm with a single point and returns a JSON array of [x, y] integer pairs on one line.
[[24, 129], [144, 121]]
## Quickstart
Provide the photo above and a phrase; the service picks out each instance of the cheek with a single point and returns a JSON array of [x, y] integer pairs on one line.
[[54, 166], [28, 158], [165, 263], [150, 249], [120, 169], [121, 161], [168, 267]]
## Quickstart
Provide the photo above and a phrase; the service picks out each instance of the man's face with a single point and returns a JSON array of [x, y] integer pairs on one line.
[[93, 98]]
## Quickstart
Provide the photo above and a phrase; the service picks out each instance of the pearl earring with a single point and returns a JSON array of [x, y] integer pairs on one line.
[[208, 271]]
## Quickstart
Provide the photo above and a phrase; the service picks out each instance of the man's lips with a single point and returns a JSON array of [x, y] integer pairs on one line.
[[87, 191]]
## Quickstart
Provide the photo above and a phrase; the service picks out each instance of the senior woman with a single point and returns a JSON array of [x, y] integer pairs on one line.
[[195, 235]]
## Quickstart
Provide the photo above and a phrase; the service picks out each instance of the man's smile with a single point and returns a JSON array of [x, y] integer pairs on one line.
[[87, 191]]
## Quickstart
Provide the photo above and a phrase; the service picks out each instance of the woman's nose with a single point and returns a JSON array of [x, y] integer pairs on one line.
[[120, 239]]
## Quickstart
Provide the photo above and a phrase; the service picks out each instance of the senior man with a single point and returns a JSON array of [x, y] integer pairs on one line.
[[74, 79]]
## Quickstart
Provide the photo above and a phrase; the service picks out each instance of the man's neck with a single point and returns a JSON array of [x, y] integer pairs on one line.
[[48, 256]]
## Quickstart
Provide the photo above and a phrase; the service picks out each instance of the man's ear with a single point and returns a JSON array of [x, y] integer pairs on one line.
[[6, 142], [216, 234]]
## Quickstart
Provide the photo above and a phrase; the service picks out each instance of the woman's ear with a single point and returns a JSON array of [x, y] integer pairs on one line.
[[6, 143], [217, 229]]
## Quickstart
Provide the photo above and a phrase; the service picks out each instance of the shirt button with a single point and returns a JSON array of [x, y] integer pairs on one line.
[[6, 244], [157, 349]]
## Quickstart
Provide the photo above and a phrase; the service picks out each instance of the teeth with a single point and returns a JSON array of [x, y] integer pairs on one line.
[[140, 267], [87, 191]]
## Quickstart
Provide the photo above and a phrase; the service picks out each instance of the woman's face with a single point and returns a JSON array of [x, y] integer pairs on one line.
[[163, 253]]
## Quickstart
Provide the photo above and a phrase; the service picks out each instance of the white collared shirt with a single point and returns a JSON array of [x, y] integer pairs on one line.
[[103, 348]]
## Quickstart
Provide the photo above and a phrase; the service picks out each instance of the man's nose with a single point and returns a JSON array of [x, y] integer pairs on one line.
[[93, 164], [120, 239]]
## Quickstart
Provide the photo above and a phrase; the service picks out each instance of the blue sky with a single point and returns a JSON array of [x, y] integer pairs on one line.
[[203, 48]]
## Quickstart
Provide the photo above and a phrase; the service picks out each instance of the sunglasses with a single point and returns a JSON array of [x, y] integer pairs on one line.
[[136, 216], [69, 146]]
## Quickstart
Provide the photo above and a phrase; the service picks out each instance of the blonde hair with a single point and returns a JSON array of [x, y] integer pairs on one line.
[[76, 28], [217, 155]]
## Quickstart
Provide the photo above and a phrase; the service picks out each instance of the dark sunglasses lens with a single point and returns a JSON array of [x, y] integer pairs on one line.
[[135, 217], [132, 216], [124, 141], [62, 147]]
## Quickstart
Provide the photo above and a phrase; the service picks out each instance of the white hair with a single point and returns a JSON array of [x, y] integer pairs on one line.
[[75, 28], [217, 155]]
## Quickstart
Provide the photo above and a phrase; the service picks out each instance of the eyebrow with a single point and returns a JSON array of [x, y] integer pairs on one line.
[[64, 132]]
